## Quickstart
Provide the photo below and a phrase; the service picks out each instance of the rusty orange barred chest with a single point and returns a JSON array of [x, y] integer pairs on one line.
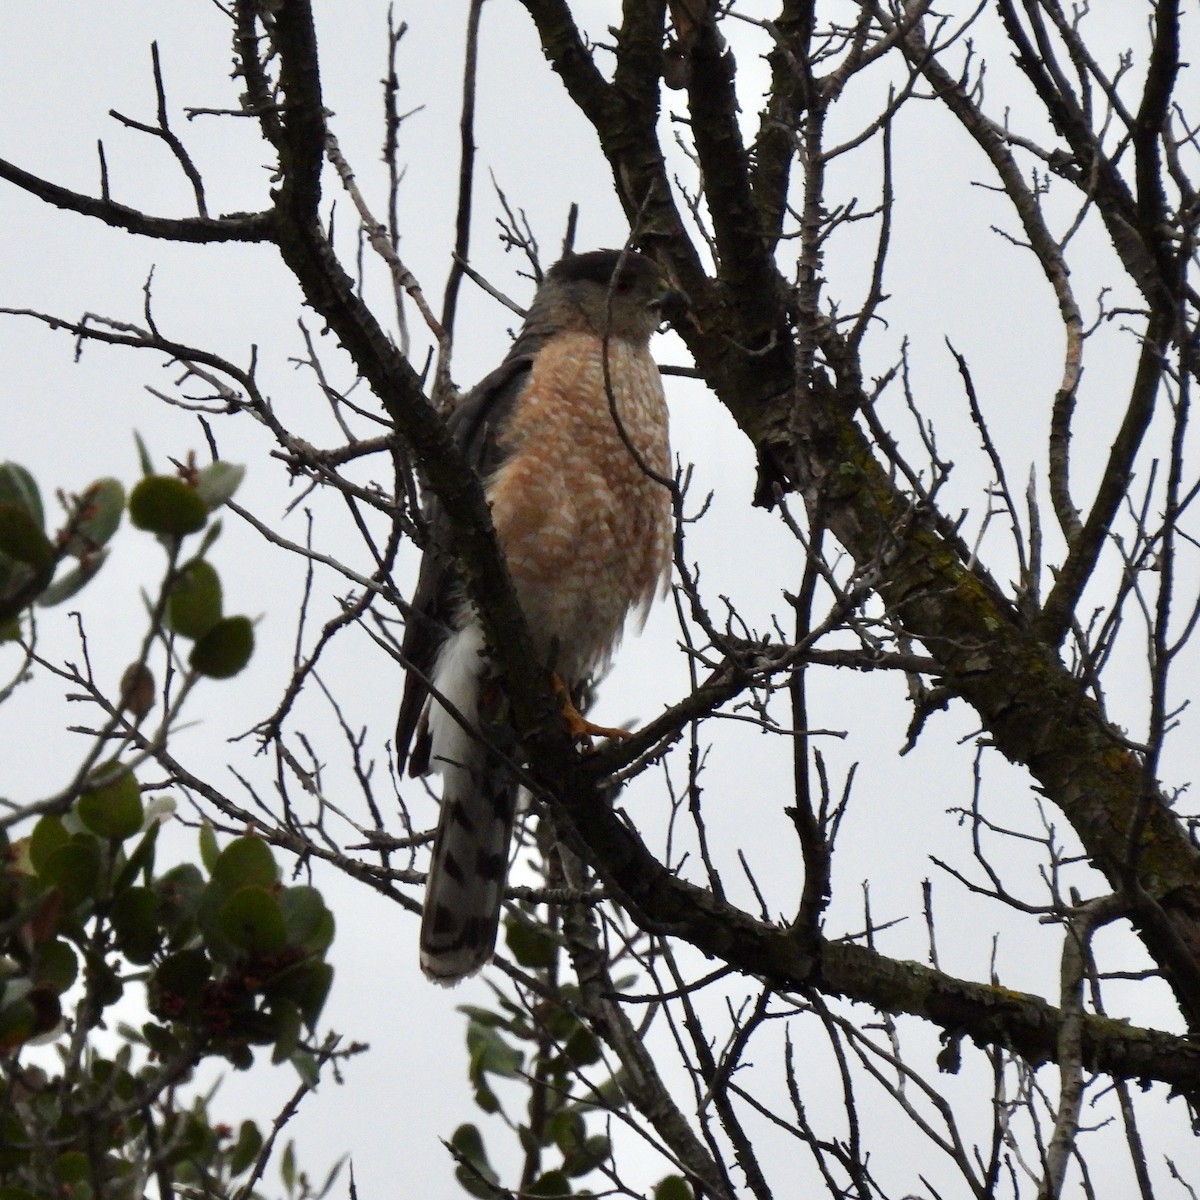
[[586, 529]]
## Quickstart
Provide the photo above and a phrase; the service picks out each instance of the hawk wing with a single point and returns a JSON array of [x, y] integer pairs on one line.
[[438, 600]]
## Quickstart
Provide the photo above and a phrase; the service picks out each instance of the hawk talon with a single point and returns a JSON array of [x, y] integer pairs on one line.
[[579, 727]]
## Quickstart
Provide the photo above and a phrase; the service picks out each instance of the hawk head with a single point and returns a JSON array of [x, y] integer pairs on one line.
[[618, 293]]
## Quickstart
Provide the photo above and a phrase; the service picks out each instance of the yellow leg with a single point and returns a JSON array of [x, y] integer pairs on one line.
[[578, 726]]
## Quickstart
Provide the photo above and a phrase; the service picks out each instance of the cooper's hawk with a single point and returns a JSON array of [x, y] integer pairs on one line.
[[568, 448]]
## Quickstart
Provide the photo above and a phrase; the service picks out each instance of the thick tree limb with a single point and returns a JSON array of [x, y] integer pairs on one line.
[[987, 1014]]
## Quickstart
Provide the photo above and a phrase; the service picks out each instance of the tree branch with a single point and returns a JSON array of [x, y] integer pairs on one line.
[[235, 227]]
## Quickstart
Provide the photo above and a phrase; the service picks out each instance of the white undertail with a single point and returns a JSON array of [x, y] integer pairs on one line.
[[470, 854]]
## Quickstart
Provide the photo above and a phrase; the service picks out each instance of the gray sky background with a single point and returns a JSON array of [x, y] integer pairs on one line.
[[63, 66]]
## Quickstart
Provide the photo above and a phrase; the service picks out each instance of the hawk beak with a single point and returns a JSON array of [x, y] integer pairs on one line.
[[672, 305]]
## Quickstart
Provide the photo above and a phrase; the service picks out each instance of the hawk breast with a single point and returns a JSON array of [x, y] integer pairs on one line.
[[585, 528]]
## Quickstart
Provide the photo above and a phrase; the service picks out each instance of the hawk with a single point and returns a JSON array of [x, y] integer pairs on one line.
[[569, 435]]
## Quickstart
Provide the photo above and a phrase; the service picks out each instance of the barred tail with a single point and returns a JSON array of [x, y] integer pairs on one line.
[[470, 852], [466, 879]]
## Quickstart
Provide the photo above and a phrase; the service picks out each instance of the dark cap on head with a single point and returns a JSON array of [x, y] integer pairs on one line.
[[599, 266]]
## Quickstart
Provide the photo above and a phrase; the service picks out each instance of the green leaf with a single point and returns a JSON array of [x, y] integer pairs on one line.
[[552, 1183], [143, 454], [104, 984], [22, 538], [194, 605], [18, 1021], [134, 918], [20, 488], [287, 1167], [529, 1142], [483, 1016], [531, 946], [309, 923], [161, 1040], [239, 1055], [179, 893], [582, 1048], [491, 1054], [113, 1074], [245, 862], [72, 1166], [567, 1129], [141, 860], [673, 1187], [210, 851], [210, 535], [49, 835], [252, 920], [225, 649], [306, 985], [246, 1149], [587, 1156], [559, 1022], [66, 586], [56, 965], [216, 483], [485, 1098], [114, 810], [165, 504], [476, 1178], [287, 1038], [97, 516], [74, 869], [192, 1142]]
